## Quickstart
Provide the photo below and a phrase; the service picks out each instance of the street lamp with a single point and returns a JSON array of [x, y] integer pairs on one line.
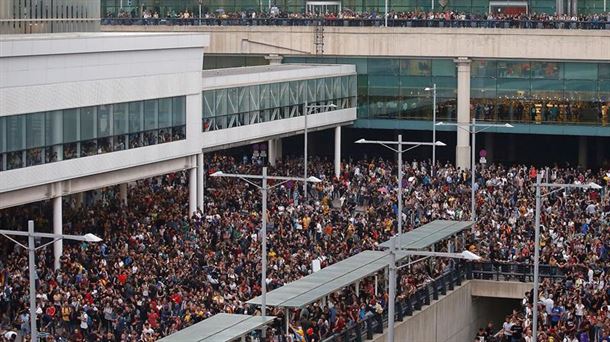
[[472, 129], [557, 187], [399, 151], [433, 89], [467, 255], [31, 248], [264, 188], [306, 110]]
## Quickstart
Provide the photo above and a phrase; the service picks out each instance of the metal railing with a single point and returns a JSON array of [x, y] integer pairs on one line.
[[365, 22], [425, 294]]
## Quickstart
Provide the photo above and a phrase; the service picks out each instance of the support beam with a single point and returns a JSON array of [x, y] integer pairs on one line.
[[337, 151], [58, 246], [462, 158], [123, 194], [200, 181], [192, 190]]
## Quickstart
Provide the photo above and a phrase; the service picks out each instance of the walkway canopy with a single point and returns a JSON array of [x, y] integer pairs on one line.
[[328, 280], [429, 234], [221, 327]]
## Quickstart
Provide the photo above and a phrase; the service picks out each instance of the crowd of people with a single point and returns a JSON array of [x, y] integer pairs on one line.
[[431, 18], [160, 269]]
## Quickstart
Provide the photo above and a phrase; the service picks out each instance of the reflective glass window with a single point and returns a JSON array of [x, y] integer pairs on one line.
[[443, 67], [604, 71], [120, 113], [483, 68], [104, 122], [2, 136], [513, 69], [416, 67], [547, 70], [150, 115], [513, 87], [383, 66], [547, 89], [71, 127], [15, 139], [179, 111], [244, 99], [87, 123], [54, 128], [209, 104], [220, 107], [255, 97], [580, 71], [135, 117], [165, 112], [35, 129]]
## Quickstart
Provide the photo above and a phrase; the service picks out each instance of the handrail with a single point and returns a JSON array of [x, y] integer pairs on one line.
[[425, 294], [366, 22]]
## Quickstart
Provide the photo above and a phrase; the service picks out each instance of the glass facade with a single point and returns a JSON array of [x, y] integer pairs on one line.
[[39, 138], [172, 8], [393, 88], [535, 91], [522, 91], [234, 107]]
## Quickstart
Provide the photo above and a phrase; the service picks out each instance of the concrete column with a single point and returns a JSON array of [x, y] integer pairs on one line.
[[123, 194], [274, 59], [271, 151], [337, 151], [278, 149], [200, 181], [582, 152], [192, 190], [58, 246], [462, 152]]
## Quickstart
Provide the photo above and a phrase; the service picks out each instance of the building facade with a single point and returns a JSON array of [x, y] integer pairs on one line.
[[49, 16]]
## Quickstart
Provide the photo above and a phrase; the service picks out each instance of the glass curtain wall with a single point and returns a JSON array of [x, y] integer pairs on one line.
[[46, 137], [393, 88], [534, 91], [234, 107]]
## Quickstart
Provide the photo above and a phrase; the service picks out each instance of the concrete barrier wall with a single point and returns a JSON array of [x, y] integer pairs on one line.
[[455, 317], [578, 45]]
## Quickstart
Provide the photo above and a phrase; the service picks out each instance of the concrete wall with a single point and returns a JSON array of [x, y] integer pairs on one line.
[[455, 317], [591, 45]]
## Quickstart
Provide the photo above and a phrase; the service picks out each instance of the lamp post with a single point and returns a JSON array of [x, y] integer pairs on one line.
[[557, 187], [472, 129], [31, 248], [264, 188], [306, 109], [400, 151], [392, 274], [433, 89]]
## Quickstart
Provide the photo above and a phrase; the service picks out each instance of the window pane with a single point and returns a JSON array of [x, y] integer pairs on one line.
[[2, 137], [480, 68], [604, 71], [547, 70], [120, 113], [35, 130], [54, 128], [209, 104], [513, 69], [443, 67], [150, 115], [14, 133], [220, 102], [103, 121], [514, 88], [416, 67], [483, 88], [383, 66], [179, 109], [87, 123], [71, 129], [135, 117], [244, 99], [165, 112], [549, 89], [255, 97], [580, 71]]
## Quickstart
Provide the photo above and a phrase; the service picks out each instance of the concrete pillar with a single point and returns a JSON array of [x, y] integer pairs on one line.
[[278, 149], [582, 152], [271, 151], [58, 246], [200, 181], [79, 199], [462, 152], [274, 59], [192, 190], [123, 194], [337, 151]]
